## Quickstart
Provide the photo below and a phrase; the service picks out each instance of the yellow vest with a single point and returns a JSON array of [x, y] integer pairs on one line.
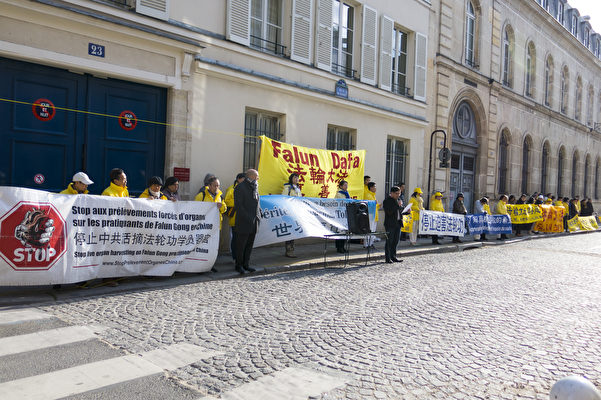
[[146, 195], [501, 207], [115, 191], [229, 202], [207, 196], [436, 205]]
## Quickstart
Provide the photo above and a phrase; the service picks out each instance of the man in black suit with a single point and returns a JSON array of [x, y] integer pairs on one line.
[[248, 214], [393, 222]]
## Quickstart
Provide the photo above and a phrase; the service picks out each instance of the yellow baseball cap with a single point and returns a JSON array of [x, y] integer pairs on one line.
[[418, 190], [437, 194]]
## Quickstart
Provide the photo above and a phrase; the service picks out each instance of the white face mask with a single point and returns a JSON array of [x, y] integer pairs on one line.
[[154, 194]]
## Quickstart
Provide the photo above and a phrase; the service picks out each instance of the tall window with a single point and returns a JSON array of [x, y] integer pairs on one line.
[[266, 25], [574, 173], [503, 162], [256, 124], [343, 30], [561, 162], [560, 12], [526, 164], [340, 138], [574, 25], [544, 168], [578, 100], [470, 35], [586, 37], [565, 80], [530, 69], [399, 63], [396, 162], [548, 81], [507, 56], [587, 168], [589, 106]]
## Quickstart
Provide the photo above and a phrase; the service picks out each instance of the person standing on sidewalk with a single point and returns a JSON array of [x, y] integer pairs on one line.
[[458, 208], [342, 193], [417, 204], [291, 189], [482, 208], [371, 195], [231, 212], [248, 215], [502, 209], [436, 205], [393, 222]]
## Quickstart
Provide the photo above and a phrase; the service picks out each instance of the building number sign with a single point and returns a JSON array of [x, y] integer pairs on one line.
[[96, 50]]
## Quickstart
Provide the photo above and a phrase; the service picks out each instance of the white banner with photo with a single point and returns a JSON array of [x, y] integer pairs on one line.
[[439, 223], [48, 238], [286, 218]]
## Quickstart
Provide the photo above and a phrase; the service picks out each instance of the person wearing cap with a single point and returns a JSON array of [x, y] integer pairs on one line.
[[153, 191], [171, 188], [231, 211], [79, 184], [502, 209], [417, 204], [118, 186], [436, 205], [458, 208]]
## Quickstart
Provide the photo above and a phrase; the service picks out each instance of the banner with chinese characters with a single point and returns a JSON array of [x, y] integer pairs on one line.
[[319, 171], [286, 218], [524, 213], [478, 224], [439, 223], [552, 219], [48, 238], [582, 224], [408, 222]]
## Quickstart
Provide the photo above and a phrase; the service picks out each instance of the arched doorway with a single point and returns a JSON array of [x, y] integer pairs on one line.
[[463, 156]]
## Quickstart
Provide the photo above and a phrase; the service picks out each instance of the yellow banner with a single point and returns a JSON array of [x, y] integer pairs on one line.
[[319, 171], [524, 213], [552, 219], [408, 223], [582, 224]]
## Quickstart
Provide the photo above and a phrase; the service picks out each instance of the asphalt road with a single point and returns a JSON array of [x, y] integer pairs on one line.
[[500, 322]]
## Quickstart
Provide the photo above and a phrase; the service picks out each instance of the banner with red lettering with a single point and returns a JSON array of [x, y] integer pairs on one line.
[[319, 170]]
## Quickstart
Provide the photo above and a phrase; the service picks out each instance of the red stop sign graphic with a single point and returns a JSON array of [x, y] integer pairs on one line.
[[33, 236]]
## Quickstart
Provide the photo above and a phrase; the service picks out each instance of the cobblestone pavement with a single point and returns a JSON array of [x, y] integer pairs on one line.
[[501, 322]]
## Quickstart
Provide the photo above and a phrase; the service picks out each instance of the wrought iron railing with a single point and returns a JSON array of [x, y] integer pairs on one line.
[[267, 45]]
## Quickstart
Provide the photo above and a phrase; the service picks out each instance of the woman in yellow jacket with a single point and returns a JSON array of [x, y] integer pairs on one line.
[[436, 205], [212, 194], [153, 191], [371, 195], [417, 204], [231, 212], [502, 209]]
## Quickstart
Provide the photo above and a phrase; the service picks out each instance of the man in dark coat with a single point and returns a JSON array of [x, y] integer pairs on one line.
[[393, 222], [458, 208], [248, 214]]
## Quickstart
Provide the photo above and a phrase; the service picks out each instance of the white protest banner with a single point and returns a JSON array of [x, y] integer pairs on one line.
[[48, 238], [439, 223], [287, 218]]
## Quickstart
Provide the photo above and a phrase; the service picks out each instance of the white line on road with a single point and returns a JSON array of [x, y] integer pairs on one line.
[[22, 315], [83, 378], [289, 384], [44, 339]]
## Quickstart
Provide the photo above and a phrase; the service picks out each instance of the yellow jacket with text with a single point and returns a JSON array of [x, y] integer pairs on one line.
[[207, 196], [115, 191], [70, 190]]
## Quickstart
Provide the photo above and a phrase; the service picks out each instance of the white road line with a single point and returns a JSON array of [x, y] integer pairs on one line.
[[22, 315], [44, 339], [83, 378], [289, 384]]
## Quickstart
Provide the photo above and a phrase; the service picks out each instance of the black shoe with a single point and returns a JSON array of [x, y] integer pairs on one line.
[[389, 261], [57, 287], [341, 251], [214, 269], [240, 270], [435, 242], [457, 240], [396, 260], [249, 269]]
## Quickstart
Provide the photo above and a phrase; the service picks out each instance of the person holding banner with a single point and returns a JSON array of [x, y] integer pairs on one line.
[[170, 190], [502, 209], [79, 184], [153, 191], [291, 189], [231, 212], [248, 215], [393, 222], [342, 193], [417, 204], [481, 208], [436, 205], [212, 194], [118, 186]]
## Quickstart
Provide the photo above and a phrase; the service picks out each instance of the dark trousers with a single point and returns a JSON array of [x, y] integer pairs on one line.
[[392, 240], [340, 244], [244, 246], [233, 241]]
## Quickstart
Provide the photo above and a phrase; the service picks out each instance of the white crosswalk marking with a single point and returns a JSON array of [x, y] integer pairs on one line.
[[44, 339], [22, 315], [289, 384]]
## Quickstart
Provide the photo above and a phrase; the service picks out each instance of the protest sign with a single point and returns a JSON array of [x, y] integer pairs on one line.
[[319, 170], [524, 213], [286, 218], [48, 238], [582, 224], [552, 221], [440, 223], [488, 224]]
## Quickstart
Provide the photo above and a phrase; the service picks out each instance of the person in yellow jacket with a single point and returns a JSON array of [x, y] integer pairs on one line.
[[291, 188], [366, 180], [436, 205], [153, 191], [502, 209], [371, 195], [417, 204], [231, 212], [79, 184], [212, 194], [118, 186]]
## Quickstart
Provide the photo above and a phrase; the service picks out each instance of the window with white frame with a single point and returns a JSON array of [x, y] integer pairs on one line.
[[530, 69], [399, 63], [258, 123], [507, 56], [560, 9], [341, 138], [564, 89], [586, 37], [343, 30], [470, 35], [266, 25], [396, 162], [574, 25], [548, 81]]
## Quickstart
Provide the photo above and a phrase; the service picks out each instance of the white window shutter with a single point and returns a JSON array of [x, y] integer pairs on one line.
[[238, 21], [153, 8], [386, 53], [324, 35], [368, 45], [302, 31], [421, 66]]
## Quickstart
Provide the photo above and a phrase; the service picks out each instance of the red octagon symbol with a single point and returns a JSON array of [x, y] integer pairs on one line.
[[33, 236]]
